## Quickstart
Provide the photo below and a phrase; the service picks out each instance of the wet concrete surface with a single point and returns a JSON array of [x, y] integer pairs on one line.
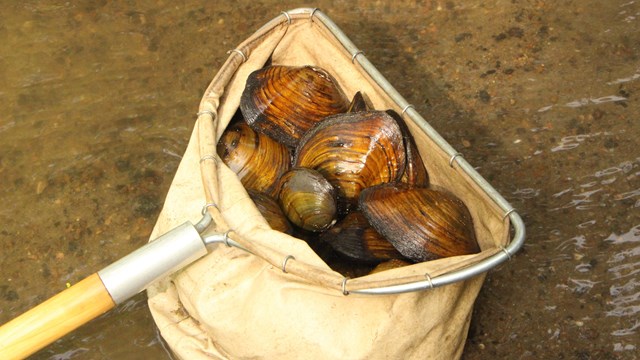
[[99, 98]]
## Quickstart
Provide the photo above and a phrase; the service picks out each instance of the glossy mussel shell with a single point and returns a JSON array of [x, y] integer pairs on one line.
[[286, 101], [355, 238], [257, 159], [422, 223], [415, 172], [359, 103], [270, 209], [354, 151], [308, 199]]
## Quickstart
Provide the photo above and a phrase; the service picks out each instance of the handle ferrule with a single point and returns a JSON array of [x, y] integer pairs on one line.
[[164, 255]]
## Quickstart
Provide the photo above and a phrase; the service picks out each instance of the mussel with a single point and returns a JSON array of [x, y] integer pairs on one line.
[[415, 172], [257, 159], [354, 237], [286, 101], [270, 209], [422, 223], [358, 103], [307, 199], [354, 151]]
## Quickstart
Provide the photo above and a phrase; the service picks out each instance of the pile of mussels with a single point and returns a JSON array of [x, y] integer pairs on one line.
[[348, 178]]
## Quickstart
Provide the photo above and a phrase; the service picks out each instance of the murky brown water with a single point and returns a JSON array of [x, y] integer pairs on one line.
[[98, 100]]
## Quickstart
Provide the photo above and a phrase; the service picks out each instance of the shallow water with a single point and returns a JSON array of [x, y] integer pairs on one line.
[[99, 99]]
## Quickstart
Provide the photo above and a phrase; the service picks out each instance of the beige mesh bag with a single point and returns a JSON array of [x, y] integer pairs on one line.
[[276, 298]]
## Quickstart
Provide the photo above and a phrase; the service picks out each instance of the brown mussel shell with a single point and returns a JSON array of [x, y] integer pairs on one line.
[[257, 159], [415, 172], [422, 223], [359, 103], [286, 101], [354, 151], [270, 209], [355, 238], [307, 199]]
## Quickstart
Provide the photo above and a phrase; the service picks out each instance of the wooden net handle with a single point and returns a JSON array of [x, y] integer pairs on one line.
[[54, 318]]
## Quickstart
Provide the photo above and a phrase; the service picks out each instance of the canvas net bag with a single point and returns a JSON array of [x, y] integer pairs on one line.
[[279, 300]]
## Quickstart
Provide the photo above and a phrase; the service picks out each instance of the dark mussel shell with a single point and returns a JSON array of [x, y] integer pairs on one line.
[[257, 159], [359, 103], [307, 199], [286, 101], [354, 151], [415, 173], [422, 223], [355, 238], [270, 209]]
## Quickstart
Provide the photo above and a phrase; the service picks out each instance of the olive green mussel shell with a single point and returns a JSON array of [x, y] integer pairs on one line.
[[307, 199], [354, 151], [270, 209], [286, 101], [257, 159], [355, 238], [422, 223]]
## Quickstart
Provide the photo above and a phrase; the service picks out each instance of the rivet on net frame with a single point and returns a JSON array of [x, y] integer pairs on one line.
[[284, 262], [312, 13], [453, 157], [238, 51], [206, 112], [355, 55], [428, 277], [345, 292], [207, 206], [404, 110], [288, 16]]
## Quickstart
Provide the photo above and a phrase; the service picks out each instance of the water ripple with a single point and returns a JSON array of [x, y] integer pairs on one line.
[[578, 242], [590, 101], [578, 286], [632, 235], [581, 201], [625, 297]]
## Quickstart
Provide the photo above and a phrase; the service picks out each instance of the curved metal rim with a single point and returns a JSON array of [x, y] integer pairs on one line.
[[515, 220], [462, 274]]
